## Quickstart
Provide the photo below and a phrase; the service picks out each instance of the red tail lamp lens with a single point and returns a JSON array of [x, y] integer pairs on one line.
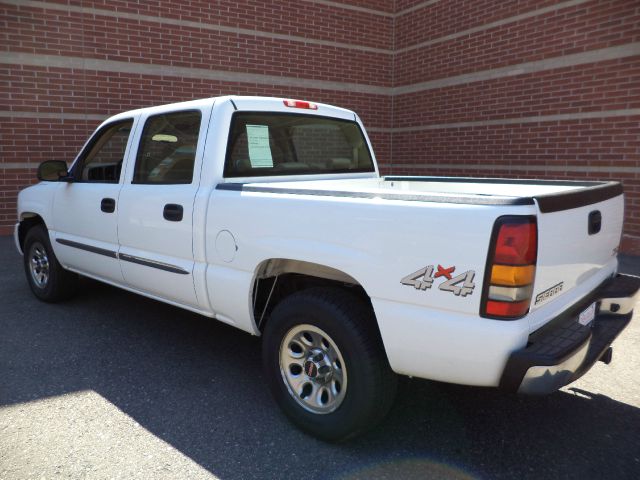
[[507, 309], [516, 244], [511, 266]]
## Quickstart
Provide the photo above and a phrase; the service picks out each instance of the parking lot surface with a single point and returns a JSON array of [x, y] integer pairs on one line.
[[114, 385]]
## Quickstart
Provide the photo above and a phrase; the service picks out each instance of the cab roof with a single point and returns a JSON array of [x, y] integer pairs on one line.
[[246, 103]]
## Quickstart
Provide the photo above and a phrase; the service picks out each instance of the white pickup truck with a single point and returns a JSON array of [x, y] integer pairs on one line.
[[270, 215]]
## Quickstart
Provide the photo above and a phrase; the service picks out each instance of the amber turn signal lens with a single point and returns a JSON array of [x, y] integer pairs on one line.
[[512, 276]]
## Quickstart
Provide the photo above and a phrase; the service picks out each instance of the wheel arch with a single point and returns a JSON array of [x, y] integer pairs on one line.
[[276, 278], [28, 220]]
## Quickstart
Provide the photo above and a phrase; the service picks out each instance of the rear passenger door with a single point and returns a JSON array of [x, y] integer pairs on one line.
[[155, 217]]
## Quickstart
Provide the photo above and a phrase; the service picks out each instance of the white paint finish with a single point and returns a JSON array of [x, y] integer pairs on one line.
[[147, 294], [552, 308], [421, 188], [200, 286], [156, 281], [144, 232], [216, 149], [274, 104], [143, 227], [447, 346], [229, 291], [377, 241], [226, 246], [568, 254], [38, 200], [103, 234], [77, 217]]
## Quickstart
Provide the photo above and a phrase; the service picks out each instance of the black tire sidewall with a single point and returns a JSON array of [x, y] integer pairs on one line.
[[352, 415], [39, 234]]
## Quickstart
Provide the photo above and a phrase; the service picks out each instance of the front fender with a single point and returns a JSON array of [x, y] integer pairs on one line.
[[38, 200]]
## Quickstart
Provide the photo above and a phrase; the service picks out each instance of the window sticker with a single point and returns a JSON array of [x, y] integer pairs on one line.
[[259, 148]]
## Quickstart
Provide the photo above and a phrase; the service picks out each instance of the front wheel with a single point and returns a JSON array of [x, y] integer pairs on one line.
[[325, 363], [48, 280]]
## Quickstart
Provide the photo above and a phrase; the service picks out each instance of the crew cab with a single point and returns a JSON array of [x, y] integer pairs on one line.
[[271, 215]]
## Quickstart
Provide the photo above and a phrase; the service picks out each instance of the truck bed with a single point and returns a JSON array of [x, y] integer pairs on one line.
[[550, 195], [570, 258]]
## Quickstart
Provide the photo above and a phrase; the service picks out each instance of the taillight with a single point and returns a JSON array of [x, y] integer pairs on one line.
[[511, 268], [300, 104]]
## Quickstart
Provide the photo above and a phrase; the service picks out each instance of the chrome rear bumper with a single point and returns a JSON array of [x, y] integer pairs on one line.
[[564, 350]]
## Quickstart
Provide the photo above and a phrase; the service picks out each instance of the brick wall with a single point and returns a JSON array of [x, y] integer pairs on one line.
[[526, 88]]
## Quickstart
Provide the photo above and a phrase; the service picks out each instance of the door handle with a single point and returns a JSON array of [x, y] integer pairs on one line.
[[595, 222], [108, 205], [173, 212]]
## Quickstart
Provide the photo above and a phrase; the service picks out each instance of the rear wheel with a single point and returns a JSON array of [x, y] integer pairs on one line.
[[326, 365], [47, 279], [313, 369]]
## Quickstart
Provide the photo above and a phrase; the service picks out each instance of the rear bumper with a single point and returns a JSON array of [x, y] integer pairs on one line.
[[564, 350]]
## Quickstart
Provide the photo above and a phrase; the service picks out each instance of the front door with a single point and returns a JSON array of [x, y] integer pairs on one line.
[[85, 229], [155, 223]]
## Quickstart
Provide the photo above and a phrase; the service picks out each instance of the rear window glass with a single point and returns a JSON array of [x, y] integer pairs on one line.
[[263, 144]]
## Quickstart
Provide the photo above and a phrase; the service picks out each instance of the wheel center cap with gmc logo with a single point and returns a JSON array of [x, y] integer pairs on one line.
[[318, 366], [311, 369]]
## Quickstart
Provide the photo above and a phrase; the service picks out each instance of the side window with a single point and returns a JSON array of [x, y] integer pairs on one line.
[[168, 148], [103, 161]]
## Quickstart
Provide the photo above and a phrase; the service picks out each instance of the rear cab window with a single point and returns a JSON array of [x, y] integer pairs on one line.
[[167, 150], [271, 144]]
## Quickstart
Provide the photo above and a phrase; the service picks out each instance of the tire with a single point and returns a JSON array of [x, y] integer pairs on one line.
[[49, 282], [360, 387]]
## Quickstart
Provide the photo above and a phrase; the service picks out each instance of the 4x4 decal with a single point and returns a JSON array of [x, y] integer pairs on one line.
[[423, 279]]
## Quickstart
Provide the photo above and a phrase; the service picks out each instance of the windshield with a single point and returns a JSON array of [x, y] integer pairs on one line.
[[263, 144]]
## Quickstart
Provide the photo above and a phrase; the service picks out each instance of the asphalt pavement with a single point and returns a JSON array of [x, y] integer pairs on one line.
[[114, 385]]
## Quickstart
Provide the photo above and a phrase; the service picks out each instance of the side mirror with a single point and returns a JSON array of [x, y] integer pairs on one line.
[[53, 171]]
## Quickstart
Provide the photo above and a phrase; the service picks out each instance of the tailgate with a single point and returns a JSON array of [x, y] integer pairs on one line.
[[578, 238]]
